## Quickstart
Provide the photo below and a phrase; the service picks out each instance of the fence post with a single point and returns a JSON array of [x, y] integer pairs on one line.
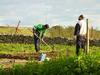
[[87, 36]]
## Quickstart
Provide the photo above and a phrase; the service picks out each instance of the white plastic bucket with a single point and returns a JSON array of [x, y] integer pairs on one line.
[[42, 57]]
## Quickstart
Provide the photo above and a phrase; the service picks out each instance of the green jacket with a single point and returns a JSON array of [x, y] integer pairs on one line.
[[40, 29]]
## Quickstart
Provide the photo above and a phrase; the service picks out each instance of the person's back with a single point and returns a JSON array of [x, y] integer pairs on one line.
[[83, 31], [39, 27]]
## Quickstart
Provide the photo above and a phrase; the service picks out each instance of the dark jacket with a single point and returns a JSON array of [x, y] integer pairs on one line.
[[77, 29]]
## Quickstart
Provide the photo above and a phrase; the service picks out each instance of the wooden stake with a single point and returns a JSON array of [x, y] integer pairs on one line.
[[87, 46]]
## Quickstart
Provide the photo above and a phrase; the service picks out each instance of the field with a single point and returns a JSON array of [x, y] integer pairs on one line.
[[21, 58], [12, 30], [63, 60]]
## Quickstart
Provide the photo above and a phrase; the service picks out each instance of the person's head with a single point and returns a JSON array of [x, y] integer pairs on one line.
[[81, 17], [46, 26]]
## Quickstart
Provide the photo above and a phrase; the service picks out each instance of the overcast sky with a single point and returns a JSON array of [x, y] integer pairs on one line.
[[63, 12]]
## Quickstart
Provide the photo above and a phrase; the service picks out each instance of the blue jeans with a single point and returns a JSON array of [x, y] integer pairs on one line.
[[37, 43]]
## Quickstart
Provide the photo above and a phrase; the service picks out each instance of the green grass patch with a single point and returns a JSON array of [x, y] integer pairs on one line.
[[64, 65], [82, 65]]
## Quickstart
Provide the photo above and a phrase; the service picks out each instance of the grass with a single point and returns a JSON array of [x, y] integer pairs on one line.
[[64, 65], [11, 30], [82, 65], [25, 47], [13, 48]]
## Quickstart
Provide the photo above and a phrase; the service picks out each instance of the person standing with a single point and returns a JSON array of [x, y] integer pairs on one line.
[[80, 33], [38, 31]]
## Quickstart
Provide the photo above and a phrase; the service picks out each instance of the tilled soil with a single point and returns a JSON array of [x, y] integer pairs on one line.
[[27, 56], [7, 60]]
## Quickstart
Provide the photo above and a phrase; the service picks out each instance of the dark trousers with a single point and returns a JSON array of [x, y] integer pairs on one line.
[[37, 43], [80, 43]]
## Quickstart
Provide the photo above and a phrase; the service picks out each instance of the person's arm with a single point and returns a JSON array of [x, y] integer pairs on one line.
[[42, 34], [77, 29]]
